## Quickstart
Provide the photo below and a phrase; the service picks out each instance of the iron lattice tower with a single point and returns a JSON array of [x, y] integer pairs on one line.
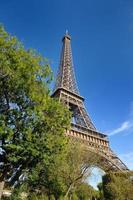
[[82, 127]]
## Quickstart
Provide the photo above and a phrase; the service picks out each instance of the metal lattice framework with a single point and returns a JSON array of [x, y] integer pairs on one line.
[[82, 127], [66, 77]]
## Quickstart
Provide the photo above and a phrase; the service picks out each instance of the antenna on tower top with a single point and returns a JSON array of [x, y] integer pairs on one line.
[[66, 32]]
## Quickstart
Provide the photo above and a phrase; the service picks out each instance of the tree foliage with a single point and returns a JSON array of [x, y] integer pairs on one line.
[[100, 188], [118, 186], [32, 124], [85, 192], [79, 165], [62, 177]]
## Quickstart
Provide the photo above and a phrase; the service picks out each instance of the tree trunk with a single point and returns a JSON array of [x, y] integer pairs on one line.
[[48, 195], [69, 189], [1, 188]]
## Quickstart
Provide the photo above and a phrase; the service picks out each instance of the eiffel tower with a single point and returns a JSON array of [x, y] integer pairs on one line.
[[82, 127]]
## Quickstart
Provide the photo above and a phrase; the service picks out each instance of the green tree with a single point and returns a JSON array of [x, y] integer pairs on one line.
[[86, 192], [47, 177], [62, 175], [79, 165], [100, 188], [118, 186], [32, 124]]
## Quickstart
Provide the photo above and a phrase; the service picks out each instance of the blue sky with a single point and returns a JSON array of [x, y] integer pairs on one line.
[[102, 44]]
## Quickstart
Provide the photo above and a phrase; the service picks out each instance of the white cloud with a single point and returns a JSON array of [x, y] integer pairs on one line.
[[127, 158], [125, 126]]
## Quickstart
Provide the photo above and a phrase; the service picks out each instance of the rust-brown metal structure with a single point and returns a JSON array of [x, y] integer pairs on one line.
[[82, 127]]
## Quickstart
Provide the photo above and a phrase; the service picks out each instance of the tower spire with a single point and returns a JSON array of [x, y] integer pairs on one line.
[[65, 76], [66, 32]]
